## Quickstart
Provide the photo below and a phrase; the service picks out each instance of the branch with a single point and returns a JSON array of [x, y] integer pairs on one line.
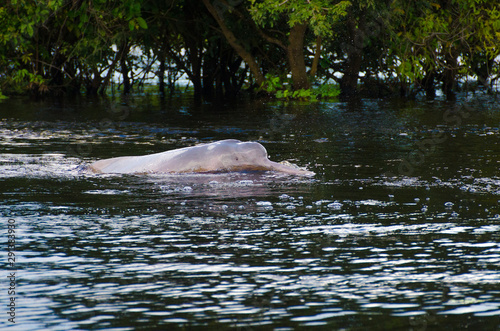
[[233, 41], [317, 55], [256, 27]]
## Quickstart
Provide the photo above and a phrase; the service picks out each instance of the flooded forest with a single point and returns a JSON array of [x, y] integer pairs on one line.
[[222, 48]]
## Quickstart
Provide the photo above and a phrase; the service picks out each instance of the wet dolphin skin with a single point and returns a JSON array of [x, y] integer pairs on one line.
[[221, 156]]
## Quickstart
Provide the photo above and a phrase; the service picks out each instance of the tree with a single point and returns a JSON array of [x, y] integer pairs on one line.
[[319, 16], [283, 24], [66, 46], [235, 42], [358, 44], [442, 40], [54, 46]]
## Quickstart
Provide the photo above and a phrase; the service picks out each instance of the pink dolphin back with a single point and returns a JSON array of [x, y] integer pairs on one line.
[[221, 156]]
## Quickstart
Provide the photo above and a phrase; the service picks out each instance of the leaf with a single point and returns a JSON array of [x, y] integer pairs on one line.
[[29, 30], [142, 23], [26, 57]]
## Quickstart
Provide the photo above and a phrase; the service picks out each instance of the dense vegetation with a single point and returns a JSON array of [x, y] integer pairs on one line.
[[284, 47]]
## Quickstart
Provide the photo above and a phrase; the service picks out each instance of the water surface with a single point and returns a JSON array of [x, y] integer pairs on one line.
[[399, 229]]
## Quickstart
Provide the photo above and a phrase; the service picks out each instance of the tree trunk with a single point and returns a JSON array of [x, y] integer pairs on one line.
[[295, 52], [428, 85], [124, 68], [449, 76], [354, 52], [104, 85], [161, 76], [317, 56], [56, 72], [93, 83], [209, 68], [194, 56], [349, 82], [194, 47]]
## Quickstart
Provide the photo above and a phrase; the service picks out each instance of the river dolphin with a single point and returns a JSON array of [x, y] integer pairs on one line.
[[221, 156]]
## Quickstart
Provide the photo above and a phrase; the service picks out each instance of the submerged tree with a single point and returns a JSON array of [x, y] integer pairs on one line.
[[357, 47], [55, 46], [445, 40], [65, 46], [291, 20]]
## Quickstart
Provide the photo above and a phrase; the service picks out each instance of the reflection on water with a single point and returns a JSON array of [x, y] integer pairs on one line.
[[360, 242]]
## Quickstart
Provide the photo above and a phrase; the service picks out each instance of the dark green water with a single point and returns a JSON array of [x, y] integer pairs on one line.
[[399, 229]]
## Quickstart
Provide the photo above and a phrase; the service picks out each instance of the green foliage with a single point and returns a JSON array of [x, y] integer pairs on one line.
[[54, 46], [302, 94], [319, 14], [281, 89], [328, 91], [272, 84], [431, 36]]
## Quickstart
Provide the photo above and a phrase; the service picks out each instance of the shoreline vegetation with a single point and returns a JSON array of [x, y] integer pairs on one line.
[[319, 49]]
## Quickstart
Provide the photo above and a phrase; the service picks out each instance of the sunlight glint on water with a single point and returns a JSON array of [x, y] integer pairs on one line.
[[364, 238]]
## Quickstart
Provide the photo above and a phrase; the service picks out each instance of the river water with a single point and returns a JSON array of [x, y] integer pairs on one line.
[[398, 229]]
